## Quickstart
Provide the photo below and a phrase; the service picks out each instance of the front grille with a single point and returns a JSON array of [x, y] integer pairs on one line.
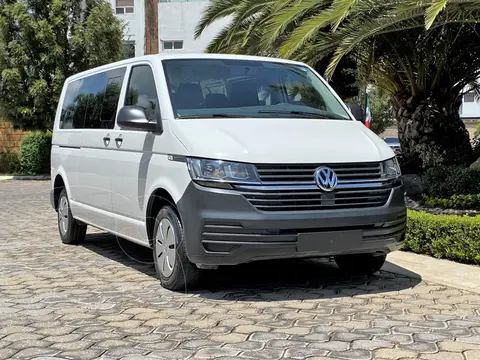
[[293, 188]]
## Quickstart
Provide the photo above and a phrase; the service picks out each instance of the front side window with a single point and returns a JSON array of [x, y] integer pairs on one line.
[[206, 88], [142, 91]]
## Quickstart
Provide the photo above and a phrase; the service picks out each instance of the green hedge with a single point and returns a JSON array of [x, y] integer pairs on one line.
[[444, 182], [462, 202], [9, 162], [444, 236], [35, 153]]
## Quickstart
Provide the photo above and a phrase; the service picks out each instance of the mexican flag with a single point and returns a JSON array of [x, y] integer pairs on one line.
[[368, 113]]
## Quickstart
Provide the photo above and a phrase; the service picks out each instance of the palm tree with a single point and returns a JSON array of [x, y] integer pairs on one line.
[[423, 52], [245, 34]]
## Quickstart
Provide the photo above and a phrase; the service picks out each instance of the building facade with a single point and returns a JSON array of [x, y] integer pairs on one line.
[[470, 108], [174, 25]]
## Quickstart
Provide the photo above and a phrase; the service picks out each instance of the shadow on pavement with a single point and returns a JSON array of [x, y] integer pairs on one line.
[[295, 279]]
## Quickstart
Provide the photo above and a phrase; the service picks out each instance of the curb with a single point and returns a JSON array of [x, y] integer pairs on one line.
[[442, 272], [24, 177]]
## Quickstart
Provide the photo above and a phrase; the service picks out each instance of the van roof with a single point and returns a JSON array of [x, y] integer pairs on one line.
[[178, 55]]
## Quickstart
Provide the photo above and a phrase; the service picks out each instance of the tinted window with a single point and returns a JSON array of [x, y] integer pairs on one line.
[[69, 107], [111, 98], [92, 102], [142, 91]]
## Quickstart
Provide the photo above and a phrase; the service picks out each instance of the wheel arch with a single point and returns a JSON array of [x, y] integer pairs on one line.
[[58, 183], [158, 199]]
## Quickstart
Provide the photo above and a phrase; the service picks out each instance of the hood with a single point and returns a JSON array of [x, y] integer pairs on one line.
[[281, 140]]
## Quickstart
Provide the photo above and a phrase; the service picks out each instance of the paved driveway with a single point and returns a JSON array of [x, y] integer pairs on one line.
[[101, 299]]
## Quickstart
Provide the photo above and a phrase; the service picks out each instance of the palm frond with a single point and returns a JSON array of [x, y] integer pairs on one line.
[[305, 33], [433, 11], [217, 9], [340, 10], [287, 15]]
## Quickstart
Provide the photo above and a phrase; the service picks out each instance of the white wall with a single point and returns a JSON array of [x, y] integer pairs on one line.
[[178, 20], [135, 29], [470, 109]]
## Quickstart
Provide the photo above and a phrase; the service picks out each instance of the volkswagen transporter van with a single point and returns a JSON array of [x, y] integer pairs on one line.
[[214, 160]]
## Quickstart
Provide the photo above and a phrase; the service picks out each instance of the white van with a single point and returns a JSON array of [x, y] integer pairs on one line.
[[220, 160]]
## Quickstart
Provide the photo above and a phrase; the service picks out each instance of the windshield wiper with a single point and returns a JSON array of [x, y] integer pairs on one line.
[[303, 113], [206, 116]]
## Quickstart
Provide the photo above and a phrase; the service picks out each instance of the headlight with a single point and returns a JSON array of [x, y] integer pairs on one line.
[[220, 173], [391, 169]]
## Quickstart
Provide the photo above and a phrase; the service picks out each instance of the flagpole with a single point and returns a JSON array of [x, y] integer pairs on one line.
[[368, 112]]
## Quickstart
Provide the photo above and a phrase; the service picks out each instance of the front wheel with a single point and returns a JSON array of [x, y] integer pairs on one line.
[[360, 264], [71, 232], [173, 268]]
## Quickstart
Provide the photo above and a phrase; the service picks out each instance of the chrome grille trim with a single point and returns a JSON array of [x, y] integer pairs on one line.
[[292, 188]]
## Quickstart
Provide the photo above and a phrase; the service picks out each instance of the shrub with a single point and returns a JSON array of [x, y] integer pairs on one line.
[[444, 236], [445, 181], [35, 153], [462, 202], [477, 130], [9, 162]]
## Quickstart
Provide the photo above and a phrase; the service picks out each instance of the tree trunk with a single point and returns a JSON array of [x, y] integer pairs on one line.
[[432, 135]]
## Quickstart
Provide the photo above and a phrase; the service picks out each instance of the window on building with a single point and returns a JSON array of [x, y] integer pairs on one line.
[[142, 90], [124, 7], [92, 102], [172, 45], [129, 48], [469, 97]]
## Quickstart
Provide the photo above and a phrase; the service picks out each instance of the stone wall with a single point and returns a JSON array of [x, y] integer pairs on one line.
[[10, 138]]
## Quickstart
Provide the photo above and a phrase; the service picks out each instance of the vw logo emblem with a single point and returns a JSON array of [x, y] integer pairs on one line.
[[326, 179]]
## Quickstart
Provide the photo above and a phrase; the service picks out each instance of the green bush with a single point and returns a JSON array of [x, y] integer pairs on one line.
[[35, 153], [446, 181], [9, 162], [462, 202], [444, 236], [477, 130]]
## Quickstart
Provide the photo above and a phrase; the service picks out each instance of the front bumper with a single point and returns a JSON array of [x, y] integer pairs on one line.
[[222, 228]]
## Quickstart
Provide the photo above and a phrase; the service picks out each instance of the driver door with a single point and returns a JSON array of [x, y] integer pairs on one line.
[[131, 160]]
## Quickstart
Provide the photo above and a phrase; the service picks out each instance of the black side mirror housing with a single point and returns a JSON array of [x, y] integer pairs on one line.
[[133, 117], [357, 112]]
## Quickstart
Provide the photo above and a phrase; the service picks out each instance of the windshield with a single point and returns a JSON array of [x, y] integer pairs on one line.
[[222, 88]]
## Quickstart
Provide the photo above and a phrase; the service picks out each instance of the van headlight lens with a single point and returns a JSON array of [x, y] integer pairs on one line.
[[391, 169], [217, 172]]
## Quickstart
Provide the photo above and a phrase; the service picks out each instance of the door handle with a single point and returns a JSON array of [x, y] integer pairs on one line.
[[106, 140], [119, 140]]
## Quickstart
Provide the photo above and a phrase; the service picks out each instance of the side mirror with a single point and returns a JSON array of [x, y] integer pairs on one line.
[[357, 112], [133, 117]]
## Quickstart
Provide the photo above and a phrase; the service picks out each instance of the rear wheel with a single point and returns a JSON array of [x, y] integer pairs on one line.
[[71, 232], [173, 268], [360, 264]]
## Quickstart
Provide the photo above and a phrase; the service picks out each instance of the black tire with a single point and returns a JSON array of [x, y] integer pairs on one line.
[[183, 274], [360, 264], [71, 232]]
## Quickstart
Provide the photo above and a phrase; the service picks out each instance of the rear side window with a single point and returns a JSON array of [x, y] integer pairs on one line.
[[92, 102], [142, 91]]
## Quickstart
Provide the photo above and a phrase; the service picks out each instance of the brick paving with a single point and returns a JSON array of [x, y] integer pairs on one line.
[[102, 300]]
